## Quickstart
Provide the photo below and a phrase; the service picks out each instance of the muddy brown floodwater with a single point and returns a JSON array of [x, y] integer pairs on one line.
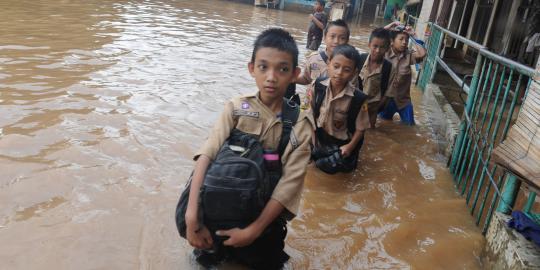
[[102, 104]]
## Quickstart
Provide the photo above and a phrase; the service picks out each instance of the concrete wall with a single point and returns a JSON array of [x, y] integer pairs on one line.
[[507, 249], [442, 118], [423, 19]]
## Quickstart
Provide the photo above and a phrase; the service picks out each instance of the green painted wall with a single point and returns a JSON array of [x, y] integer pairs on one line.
[[390, 5]]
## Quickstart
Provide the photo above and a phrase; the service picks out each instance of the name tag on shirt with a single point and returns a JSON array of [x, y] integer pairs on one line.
[[246, 113]]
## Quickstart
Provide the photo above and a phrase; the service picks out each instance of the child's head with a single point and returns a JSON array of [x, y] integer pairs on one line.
[[379, 43], [336, 33], [400, 40], [319, 5], [274, 62], [343, 65]]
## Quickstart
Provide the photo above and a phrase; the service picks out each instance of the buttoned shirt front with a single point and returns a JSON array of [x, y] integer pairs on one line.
[[399, 86], [334, 111], [371, 81]]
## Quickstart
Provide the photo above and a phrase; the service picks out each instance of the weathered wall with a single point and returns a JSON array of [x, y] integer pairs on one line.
[[427, 5], [443, 119], [506, 249]]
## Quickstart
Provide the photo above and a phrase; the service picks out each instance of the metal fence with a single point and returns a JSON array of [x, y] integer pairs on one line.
[[494, 95]]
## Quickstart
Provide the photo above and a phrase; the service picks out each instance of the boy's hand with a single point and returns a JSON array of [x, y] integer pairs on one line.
[[392, 25], [311, 17], [410, 31], [239, 237], [346, 150], [199, 238]]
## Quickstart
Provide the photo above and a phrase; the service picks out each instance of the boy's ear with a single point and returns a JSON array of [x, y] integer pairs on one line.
[[251, 68]]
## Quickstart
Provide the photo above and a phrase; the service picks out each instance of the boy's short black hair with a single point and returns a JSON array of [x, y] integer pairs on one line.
[[348, 51], [380, 33], [395, 33], [340, 23], [276, 38], [321, 2]]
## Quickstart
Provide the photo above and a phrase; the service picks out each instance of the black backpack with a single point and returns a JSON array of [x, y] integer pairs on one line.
[[356, 103], [237, 184], [385, 72]]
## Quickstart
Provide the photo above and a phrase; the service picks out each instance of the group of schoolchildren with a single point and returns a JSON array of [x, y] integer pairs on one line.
[[346, 93]]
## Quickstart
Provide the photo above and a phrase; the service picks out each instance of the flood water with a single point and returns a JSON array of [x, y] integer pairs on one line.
[[103, 103]]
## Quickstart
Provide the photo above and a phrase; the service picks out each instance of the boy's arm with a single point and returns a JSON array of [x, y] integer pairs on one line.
[[362, 123], [243, 237], [346, 150], [392, 25], [197, 235], [419, 51], [316, 21], [305, 76]]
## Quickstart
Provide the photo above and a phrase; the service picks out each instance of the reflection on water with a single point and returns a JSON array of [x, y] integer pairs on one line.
[[102, 103]]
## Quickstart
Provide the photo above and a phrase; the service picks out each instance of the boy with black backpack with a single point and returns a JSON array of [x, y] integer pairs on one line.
[[375, 72], [250, 172], [336, 33], [341, 114]]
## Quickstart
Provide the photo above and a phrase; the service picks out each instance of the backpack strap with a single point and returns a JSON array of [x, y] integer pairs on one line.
[[319, 92], [289, 116], [385, 77], [324, 56], [385, 72], [361, 62], [356, 104]]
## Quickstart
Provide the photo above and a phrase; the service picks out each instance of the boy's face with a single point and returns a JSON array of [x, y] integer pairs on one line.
[[377, 48], [341, 70], [273, 71], [400, 42], [317, 7], [335, 36]]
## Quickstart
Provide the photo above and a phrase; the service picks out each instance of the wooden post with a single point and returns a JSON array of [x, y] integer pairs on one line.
[[461, 21], [490, 24], [471, 24], [508, 29]]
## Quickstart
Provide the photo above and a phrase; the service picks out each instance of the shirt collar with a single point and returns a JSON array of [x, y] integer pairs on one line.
[[348, 90], [392, 54]]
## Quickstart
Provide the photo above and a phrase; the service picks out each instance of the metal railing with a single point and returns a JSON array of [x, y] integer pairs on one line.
[[493, 98]]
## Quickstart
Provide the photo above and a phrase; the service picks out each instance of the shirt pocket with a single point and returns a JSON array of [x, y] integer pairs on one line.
[[250, 125], [340, 119]]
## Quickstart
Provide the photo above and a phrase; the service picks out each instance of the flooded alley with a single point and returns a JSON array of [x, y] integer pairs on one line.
[[103, 103]]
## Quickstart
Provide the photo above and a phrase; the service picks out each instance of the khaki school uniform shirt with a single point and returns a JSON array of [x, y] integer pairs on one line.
[[333, 112], [399, 86], [315, 68], [250, 115], [371, 81]]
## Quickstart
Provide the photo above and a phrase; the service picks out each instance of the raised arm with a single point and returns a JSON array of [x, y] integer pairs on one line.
[[419, 50], [316, 21]]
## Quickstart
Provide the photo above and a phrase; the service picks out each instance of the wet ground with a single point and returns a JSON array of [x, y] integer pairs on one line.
[[102, 104]]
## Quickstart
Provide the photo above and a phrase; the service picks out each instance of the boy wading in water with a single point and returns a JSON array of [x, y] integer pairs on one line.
[[336, 33], [375, 72], [341, 114], [260, 244], [399, 89], [317, 22]]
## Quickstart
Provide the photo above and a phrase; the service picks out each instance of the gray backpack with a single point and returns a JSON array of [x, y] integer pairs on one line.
[[238, 183]]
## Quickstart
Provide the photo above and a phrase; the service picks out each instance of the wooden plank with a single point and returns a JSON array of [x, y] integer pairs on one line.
[[531, 112], [522, 131], [520, 151]]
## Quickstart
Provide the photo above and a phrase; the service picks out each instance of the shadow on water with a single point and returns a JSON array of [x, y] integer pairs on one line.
[[104, 102]]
